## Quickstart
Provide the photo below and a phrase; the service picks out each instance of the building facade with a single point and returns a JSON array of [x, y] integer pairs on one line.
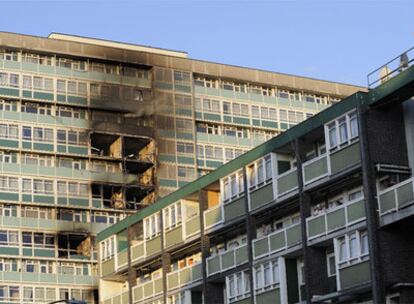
[[322, 213], [92, 131]]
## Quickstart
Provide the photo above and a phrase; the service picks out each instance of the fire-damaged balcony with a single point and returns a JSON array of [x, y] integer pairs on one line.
[[72, 245], [126, 197]]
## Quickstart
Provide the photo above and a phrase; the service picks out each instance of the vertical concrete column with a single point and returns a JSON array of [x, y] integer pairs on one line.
[[314, 259], [165, 260], [369, 186], [251, 233], [132, 272], [204, 243]]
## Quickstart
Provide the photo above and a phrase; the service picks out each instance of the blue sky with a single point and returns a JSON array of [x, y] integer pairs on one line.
[[327, 39]]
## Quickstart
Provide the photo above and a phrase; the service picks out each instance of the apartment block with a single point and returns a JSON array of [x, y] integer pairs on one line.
[[92, 131], [321, 213]]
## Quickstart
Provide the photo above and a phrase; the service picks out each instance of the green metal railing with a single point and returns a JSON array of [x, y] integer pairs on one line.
[[396, 197], [227, 260], [185, 276]]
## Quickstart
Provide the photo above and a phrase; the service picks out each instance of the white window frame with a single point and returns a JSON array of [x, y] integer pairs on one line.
[[245, 286], [334, 125]]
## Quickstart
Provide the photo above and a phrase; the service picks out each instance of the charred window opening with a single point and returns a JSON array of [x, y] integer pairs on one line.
[[75, 246], [106, 145]]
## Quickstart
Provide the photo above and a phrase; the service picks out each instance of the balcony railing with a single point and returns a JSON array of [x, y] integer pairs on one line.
[[287, 182], [315, 169], [147, 290], [277, 241], [213, 216], [185, 276], [396, 197], [227, 260], [122, 298], [336, 218]]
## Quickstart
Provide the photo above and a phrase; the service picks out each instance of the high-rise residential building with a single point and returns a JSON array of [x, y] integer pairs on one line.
[[94, 130], [322, 213]]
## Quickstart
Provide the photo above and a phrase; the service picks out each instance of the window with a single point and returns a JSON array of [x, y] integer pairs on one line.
[[8, 183], [352, 248], [152, 226], [266, 276], [108, 248], [232, 186], [9, 131], [72, 189], [9, 238], [238, 286], [72, 137], [260, 172], [172, 216], [342, 131], [331, 264], [185, 173]]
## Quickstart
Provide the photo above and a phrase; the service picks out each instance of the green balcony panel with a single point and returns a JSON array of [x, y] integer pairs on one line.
[[212, 91], [284, 126], [283, 101], [213, 164], [148, 289], [405, 195], [256, 122], [47, 278], [227, 118], [29, 277], [9, 92], [77, 100], [11, 221], [108, 267], [234, 209], [11, 276], [9, 250], [182, 88], [43, 199], [43, 96], [122, 258], [212, 217], [271, 296], [277, 241], [261, 247], [28, 145], [287, 182], [9, 143], [137, 252], [168, 182], [241, 95], [117, 299], [153, 246], [158, 287], [185, 276], [167, 158], [173, 280], [62, 201], [61, 98], [14, 65], [184, 112], [316, 226], [387, 201], [192, 226], [213, 117], [241, 255], [244, 301], [30, 222], [73, 201], [227, 260], [213, 265], [174, 236], [262, 196], [269, 124], [241, 120], [181, 135], [27, 94], [356, 211], [62, 149], [199, 115], [125, 298], [185, 160], [354, 275], [197, 272], [316, 169], [84, 280], [97, 203], [256, 97], [163, 85], [43, 147], [137, 293], [336, 219], [293, 235], [44, 253], [78, 150], [345, 158], [7, 196]]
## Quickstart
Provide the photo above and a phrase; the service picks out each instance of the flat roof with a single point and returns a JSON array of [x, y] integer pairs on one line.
[[369, 98], [117, 44]]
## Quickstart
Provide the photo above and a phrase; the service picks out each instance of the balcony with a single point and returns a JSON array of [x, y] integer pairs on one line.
[[184, 277], [192, 227], [213, 217], [338, 218], [287, 182], [137, 252], [354, 275], [277, 241], [122, 298], [48, 278], [315, 169], [108, 267], [40, 224], [261, 196], [345, 158], [396, 202], [227, 260], [147, 290]]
